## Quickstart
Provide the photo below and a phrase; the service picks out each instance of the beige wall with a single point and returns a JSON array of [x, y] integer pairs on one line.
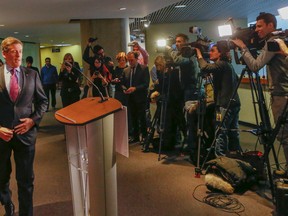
[[57, 58]]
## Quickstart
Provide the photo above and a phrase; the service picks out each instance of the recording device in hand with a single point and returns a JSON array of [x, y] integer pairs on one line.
[[273, 46], [89, 80], [68, 64], [91, 40], [96, 72]]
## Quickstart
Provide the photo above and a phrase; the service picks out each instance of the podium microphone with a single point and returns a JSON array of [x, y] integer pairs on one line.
[[68, 64]]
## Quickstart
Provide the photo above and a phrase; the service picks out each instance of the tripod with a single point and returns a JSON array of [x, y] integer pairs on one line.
[[201, 111], [266, 134], [160, 114]]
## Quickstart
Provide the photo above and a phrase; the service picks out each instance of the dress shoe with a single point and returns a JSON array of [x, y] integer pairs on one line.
[[9, 209]]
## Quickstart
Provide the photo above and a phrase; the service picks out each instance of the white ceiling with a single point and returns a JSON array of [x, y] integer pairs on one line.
[[47, 21]]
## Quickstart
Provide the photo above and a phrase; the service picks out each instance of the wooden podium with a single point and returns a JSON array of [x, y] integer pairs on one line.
[[89, 127]]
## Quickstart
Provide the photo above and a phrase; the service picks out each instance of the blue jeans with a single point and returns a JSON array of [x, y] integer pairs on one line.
[[228, 135]]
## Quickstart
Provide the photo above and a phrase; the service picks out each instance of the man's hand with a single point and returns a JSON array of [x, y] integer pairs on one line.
[[130, 90], [6, 134], [111, 64], [198, 53], [154, 96], [26, 125], [239, 43]]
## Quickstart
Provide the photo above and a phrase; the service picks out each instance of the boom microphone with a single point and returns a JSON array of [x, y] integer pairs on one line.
[[68, 64]]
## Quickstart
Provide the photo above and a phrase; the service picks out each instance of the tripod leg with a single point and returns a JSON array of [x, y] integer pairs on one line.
[[151, 130]]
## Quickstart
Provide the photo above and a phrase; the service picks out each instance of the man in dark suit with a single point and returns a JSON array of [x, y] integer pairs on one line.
[[136, 78], [22, 105]]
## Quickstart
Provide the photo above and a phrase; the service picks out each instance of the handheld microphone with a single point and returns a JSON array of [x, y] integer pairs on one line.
[[68, 64]]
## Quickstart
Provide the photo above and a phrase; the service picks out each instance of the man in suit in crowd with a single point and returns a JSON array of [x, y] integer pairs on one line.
[[23, 103], [136, 78]]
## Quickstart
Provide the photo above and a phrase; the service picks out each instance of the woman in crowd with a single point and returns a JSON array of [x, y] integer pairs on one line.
[[69, 76], [224, 81], [117, 78], [99, 75]]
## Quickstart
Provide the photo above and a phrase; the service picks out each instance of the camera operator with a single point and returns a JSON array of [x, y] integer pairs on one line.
[[188, 79], [98, 51], [188, 67], [224, 81], [168, 88], [277, 68]]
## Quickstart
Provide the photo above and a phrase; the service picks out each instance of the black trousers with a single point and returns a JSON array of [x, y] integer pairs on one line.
[[138, 117], [24, 158], [50, 88], [69, 98]]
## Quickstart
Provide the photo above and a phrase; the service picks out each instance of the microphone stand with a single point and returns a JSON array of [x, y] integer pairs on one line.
[[68, 64]]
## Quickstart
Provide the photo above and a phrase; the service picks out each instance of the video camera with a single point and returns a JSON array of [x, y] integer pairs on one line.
[[202, 43], [247, 35]]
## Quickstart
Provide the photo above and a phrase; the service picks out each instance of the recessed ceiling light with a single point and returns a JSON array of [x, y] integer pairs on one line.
[[1, 25], [62, 45], [16, 32], [123, 8], [180, 6], [26, 36], [283, 12]]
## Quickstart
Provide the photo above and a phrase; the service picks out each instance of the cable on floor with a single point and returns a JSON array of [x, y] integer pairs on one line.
[[221, 201]]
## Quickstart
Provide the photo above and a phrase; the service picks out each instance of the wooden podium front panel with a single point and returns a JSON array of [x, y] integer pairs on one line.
[[87, 110]]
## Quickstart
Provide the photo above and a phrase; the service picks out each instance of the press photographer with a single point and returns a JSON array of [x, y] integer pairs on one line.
[[98, 75], [97, 51], [277, 69]]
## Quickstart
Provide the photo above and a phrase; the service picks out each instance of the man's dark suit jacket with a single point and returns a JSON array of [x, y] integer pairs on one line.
[[31, 103], [141, 80]]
